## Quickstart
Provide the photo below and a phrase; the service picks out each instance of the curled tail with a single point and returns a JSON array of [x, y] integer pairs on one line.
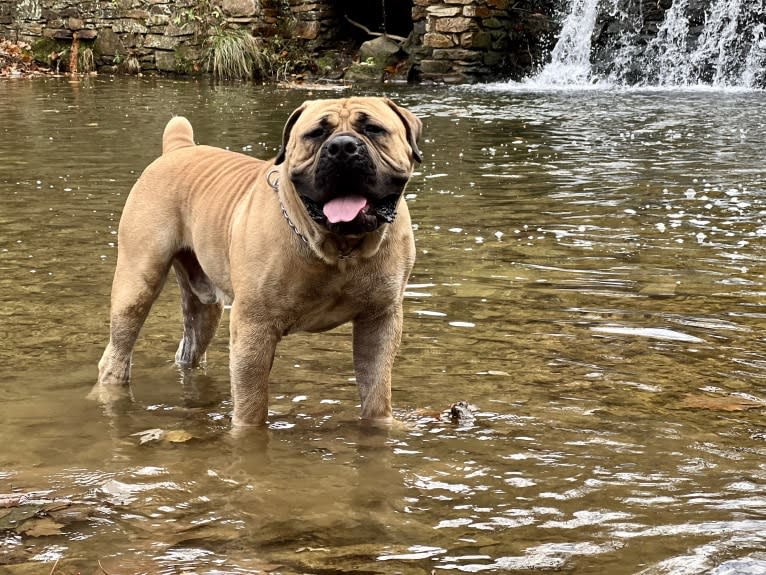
[[178, 134]]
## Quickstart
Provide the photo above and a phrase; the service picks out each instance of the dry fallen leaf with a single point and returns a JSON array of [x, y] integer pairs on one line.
[[720, 403], [173, 436], [40, 527], [149, 435], [178, 436], [425, 412]]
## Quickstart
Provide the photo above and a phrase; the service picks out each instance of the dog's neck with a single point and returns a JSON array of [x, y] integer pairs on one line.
[[330, 248]]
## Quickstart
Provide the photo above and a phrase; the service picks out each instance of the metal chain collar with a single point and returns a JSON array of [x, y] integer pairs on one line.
[[272, 177]]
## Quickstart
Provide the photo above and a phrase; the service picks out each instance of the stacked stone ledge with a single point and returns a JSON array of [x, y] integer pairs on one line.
[[157, 32], [463, 40]]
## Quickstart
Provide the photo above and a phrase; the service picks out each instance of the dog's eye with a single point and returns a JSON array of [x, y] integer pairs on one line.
[[373, 130], [315, 134]]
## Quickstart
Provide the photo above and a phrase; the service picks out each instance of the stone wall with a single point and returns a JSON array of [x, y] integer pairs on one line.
[[472, 40], [452, 40], [156, 33]]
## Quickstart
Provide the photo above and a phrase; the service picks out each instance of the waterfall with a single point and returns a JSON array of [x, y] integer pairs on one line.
[[692, 42], [570, 59], [717, 43], [667, 52], [755, 62]]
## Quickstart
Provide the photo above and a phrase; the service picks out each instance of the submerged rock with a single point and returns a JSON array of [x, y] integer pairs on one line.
[[462, 412]]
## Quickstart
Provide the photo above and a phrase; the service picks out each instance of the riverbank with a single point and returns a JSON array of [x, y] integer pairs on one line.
[[16, 60], [426, 40]]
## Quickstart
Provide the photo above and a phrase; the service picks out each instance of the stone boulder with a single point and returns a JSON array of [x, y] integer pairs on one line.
[[240, 8], [382, 51], [109, 43]]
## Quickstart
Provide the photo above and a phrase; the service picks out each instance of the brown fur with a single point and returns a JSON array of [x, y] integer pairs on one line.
[[212, 216]]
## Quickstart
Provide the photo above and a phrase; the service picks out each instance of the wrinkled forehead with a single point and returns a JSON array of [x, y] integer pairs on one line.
[[351, 113]]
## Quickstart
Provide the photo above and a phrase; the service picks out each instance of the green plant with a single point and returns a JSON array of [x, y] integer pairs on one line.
[[234, 54], [184, 61], [49, 51], [203, 14], [282, 57], [86, 60], [130, 65]]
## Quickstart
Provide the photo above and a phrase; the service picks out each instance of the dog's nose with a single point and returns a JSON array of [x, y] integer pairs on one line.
[[342, 147]]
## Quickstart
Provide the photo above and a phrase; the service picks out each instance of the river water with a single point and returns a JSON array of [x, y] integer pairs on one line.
[[590, 279]]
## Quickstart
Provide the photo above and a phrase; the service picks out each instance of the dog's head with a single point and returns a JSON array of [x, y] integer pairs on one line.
[[349, 160]]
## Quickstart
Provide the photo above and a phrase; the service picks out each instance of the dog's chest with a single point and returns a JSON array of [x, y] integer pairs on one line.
[[330, 303]]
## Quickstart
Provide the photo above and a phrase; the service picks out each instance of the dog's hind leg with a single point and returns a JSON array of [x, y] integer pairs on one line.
[[202, 308], [135, 287]]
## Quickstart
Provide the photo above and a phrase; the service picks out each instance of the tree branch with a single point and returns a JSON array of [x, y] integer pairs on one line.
[[399, 39]]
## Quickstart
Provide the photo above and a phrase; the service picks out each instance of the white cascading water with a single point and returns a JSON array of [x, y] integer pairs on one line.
[[718, 41], [755, 62], [570, 58], [730, 49], [667, 53]]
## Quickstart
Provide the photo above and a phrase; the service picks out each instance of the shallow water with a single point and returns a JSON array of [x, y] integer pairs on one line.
[[589, 277]]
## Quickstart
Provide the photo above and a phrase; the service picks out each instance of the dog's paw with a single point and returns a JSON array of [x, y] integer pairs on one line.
[[109, 394]]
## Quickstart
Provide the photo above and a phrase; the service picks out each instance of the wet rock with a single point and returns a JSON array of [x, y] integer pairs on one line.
[[109, 43], [462, 412], [382, 50], [364, 72]]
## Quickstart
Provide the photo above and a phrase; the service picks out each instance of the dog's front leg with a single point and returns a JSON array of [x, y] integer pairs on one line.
[[252, 347], [376, 341]]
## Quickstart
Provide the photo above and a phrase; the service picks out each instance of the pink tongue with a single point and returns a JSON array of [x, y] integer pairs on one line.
[[344, 209]]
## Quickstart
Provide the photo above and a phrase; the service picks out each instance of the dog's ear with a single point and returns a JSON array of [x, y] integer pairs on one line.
[[286, 133], [412, 124]]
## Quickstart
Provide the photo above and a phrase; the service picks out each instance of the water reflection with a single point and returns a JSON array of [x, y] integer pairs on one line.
[[588, 277]]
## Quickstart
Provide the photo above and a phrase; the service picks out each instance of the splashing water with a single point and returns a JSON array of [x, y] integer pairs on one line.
[[755, 62], [670, 47], [723, 45], [570, 59], [718, 41]]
